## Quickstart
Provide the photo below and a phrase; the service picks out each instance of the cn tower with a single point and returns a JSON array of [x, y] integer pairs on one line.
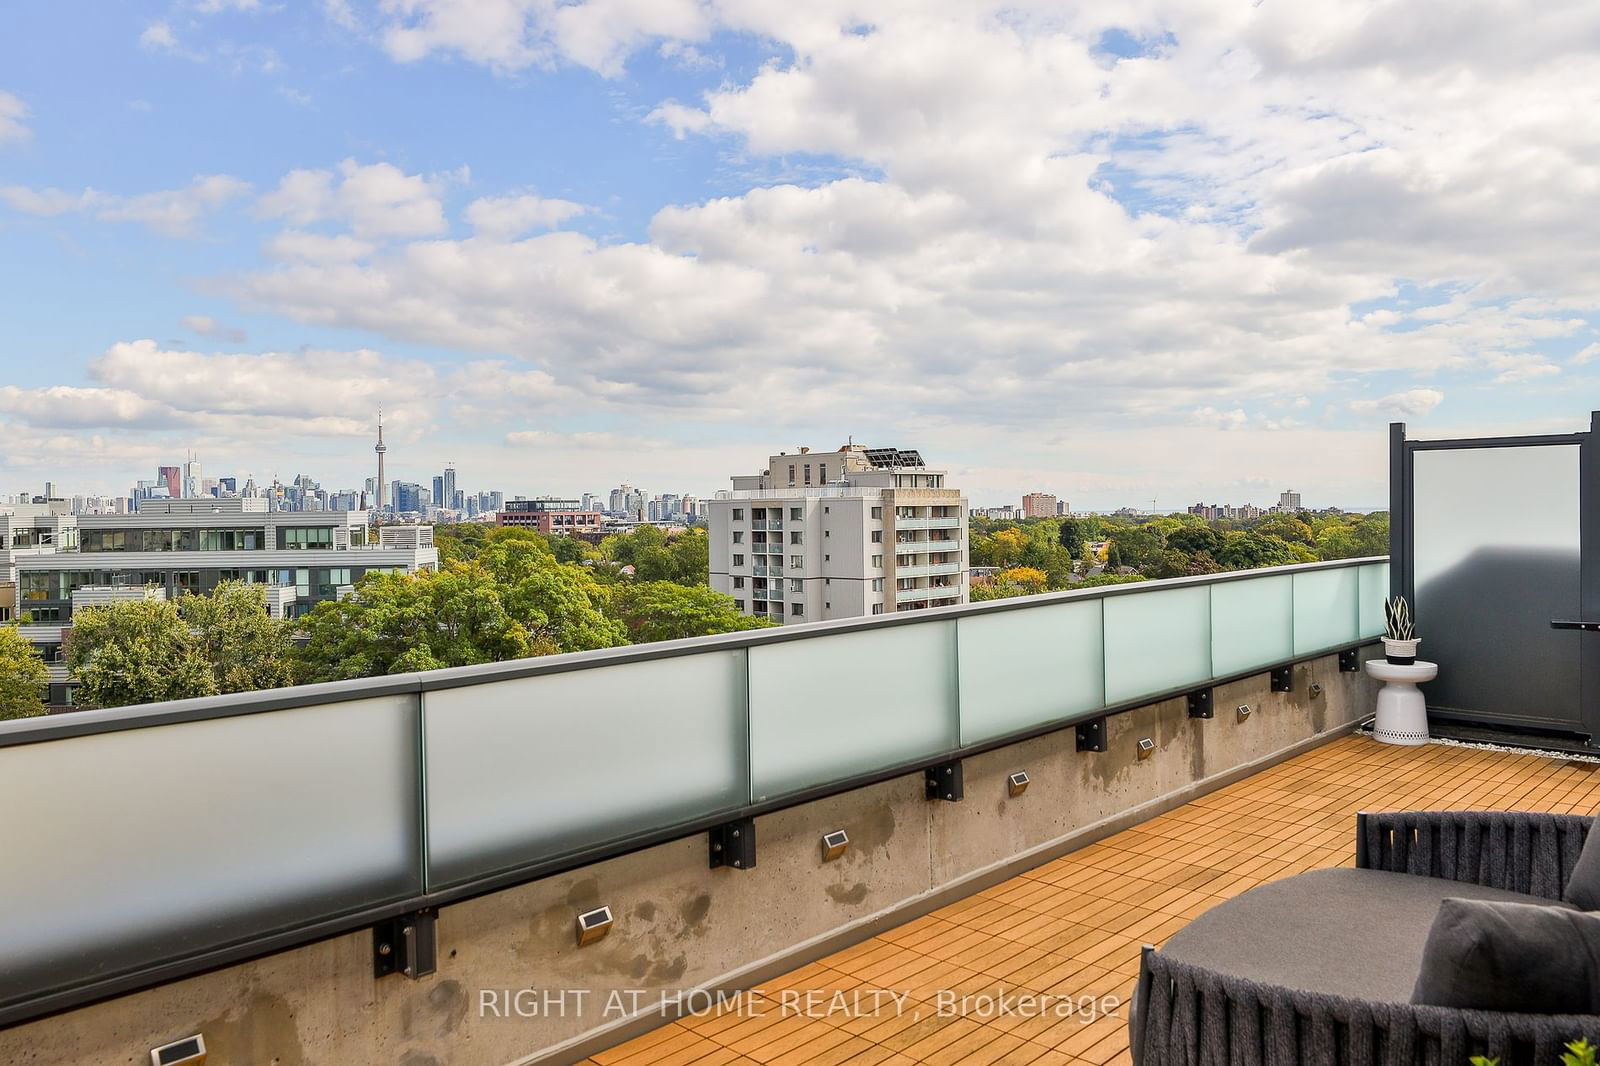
[[382, 501]]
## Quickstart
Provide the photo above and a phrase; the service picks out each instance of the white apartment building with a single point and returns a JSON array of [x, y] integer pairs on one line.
[[52, 562], [858, 531]]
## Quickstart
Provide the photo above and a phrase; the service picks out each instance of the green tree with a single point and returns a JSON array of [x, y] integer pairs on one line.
[[241, 643], [569, 549], [138, 651], [22, 676], [1247, 551], [1096, 580], [684, 557], [1191, 540], [1071, 536], [994, 590], [460, 542], [1139, 548], [1286, 528], [1371, 534], [561, 607], [664, 610], [396, 623], [691, 557], [1336, 542]]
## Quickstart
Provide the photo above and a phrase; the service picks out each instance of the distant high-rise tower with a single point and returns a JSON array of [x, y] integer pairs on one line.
[[380, 449], [447, 485]]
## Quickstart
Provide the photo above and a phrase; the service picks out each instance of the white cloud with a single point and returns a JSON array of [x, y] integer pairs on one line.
[[171, 212], [997, 226], [66, 406], [1413, 403], [45, 202], [1585, 355], [509, 35], [1210, 416], [316, 247], [253, 396], [13, 118], [174, 212], [207, 326], [158, 37], [505, 217], [1035, 230], [376, 200], [1515, 367]]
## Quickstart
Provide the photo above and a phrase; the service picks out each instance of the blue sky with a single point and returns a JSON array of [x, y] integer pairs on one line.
[[1205, 255]]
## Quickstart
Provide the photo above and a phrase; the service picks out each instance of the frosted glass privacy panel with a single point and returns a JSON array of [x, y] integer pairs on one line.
[[532, 768], [1494, 562], [827, 708], [1156, 641], [1029, 666], [123, 849], [1325, 606], [1374, 590], [1252, 623]]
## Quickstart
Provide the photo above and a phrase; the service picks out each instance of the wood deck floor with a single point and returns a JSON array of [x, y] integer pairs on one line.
[[1073, 927]]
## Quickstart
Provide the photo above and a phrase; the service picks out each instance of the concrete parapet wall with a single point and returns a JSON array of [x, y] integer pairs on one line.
[[682, 926]]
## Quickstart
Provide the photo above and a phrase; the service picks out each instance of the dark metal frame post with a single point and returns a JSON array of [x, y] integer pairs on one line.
[[1589, 576], [1399, 512]]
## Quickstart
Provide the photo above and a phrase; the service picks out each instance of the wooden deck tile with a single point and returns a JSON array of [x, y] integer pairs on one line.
[[1073, 927]]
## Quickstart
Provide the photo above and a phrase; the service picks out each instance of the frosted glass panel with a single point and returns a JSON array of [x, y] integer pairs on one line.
[[1156, 641], [1325, 606], [1252, 623], [830, 707], [122, 848], [528, 769], [1495, 560], [1025, 667], [1374, 582]]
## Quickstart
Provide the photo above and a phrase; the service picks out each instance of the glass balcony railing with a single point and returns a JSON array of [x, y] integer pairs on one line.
[[414, 790], [921, 546], [927, 592], [927, 569], [927, 523]]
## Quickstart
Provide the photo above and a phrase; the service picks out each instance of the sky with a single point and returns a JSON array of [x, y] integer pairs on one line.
[[1162, 250]]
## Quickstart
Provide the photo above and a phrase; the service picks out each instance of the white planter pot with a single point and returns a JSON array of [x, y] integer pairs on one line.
[[1402, 651]]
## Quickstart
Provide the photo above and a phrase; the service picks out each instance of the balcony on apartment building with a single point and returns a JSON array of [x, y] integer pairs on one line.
[[588, 855], [927, 592]]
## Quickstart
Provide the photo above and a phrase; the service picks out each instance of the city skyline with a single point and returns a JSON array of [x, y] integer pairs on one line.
[[238, 227]]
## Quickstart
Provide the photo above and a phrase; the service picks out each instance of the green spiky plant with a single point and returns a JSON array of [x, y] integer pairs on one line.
[[1397, 619]]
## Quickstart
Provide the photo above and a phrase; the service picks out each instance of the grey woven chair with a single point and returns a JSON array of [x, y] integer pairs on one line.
[[1319, 968]]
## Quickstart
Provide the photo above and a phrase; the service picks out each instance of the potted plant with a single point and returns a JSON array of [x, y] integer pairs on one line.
[[1400, 638]]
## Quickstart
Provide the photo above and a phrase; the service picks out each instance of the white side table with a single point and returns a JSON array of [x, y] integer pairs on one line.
[[1402, 712]]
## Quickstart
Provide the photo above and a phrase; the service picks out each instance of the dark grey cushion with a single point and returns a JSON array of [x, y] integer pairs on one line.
[[1511, 957], [1583, 886], [1357, 933]]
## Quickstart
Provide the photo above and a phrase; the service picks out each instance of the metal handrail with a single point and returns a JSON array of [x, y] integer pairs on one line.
[[78, 979]]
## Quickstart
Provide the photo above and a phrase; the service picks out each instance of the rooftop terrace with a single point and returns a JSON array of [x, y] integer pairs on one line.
[[1075, 925]]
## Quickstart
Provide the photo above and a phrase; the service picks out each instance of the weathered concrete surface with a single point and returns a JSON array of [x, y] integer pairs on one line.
[[680, 925]]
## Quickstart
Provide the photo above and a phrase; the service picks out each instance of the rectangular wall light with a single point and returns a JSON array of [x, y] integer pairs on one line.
[[593, 925]]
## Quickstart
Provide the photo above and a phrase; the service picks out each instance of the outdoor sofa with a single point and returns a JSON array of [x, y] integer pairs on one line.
[[1349, 965]]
